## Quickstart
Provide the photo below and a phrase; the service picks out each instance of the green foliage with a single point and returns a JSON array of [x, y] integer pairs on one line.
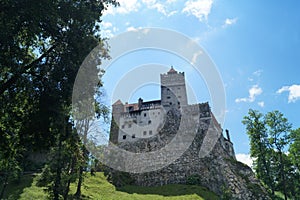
[[226, 194], [97, 187], [193, 180], [118, 178], [270, 138], [294, 158], [43, 44]]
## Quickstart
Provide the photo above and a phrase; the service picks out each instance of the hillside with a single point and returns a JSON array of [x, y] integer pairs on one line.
[[97, 187]]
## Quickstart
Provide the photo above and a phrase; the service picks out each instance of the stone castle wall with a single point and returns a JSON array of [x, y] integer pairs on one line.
[[200, 146]]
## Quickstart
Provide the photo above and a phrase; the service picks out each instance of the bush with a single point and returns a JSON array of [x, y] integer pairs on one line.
[[193, 180]]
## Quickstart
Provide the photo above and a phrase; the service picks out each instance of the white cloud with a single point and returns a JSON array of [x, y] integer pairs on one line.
[[160, 7], [195, 57], [258, 72], [253, 92], [244, 158], [131, 28], [126, 6], [106, 25], [294, 92], [171, 1], [198, 8], [229, 22], [261, 104]]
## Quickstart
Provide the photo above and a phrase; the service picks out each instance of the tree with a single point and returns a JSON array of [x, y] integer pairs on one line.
[[269, 140], [260, 147], [43, 44], [294, 157], [279, 129]]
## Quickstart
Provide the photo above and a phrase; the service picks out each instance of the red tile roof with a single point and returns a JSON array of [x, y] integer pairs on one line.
[[172, 70], [118, 102]]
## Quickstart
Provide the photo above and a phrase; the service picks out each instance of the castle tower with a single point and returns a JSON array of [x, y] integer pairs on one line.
[[173, 90], [117, 109]]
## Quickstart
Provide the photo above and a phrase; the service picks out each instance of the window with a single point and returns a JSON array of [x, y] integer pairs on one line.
[[149, 122], [168, 97], [170, 103], [145, 133], [150, 132], [158, 113], [129, 125], [124, 137], [123, 126], [145, 114], [178, 88], [179, 96], [133, 136]]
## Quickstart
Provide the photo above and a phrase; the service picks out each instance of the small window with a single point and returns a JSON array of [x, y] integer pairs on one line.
[[170, 103], [124, 137], [149, 122], [145, 133], [150, 132], [145, 114], [168, 97], [133, 136], [129, 125], [179, 96], [123, 126], [178, 103], [158, 113], [178, 88]]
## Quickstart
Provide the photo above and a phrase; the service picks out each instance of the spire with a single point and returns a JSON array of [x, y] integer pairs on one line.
[[172, 70]]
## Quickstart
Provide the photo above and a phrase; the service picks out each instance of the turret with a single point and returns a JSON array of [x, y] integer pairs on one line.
[[173, 89]]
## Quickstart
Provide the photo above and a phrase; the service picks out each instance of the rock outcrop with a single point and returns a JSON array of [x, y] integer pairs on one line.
[[191, 146]]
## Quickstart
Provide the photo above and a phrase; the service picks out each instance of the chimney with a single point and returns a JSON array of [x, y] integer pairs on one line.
[[140, 103], [227, 134]]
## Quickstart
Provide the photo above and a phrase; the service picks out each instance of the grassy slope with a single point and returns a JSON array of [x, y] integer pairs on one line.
[[97, 187]]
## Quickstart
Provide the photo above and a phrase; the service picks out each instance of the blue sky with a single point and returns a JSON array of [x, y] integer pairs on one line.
[[255, 46]]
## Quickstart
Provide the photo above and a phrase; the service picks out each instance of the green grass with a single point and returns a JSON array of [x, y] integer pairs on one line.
[[24, 189], [97, 187]]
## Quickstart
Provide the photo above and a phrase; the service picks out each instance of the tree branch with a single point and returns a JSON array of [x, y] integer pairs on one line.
[[15, 77]]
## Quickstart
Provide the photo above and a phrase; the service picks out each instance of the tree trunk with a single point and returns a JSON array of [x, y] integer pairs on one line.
[[283, 176], [78, 191], [5, 183], [57, 182]]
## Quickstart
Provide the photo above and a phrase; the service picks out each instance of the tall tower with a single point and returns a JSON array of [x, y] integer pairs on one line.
[[117, 109], [173, 90]]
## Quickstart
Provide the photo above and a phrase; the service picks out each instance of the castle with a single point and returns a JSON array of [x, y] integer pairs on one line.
[[169, 141], [146, 119]]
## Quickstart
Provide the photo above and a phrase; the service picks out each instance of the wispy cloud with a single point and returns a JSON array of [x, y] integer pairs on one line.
[[244, 158], [198, 8], [229, 22], [261, 104], [131, 28], [160, 7], [126, 6], [294, 92], [253, 92], [106, 25], [195, 57], [258, 72]]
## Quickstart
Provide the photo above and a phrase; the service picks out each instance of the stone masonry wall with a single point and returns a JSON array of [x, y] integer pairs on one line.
[[194, 138]]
